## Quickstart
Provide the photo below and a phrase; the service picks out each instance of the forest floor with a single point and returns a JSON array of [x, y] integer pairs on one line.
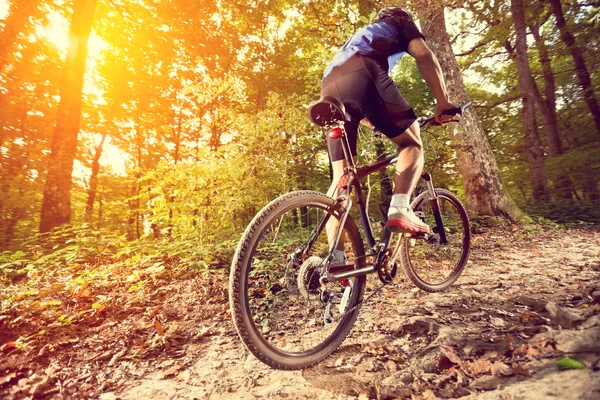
[[528, 298]]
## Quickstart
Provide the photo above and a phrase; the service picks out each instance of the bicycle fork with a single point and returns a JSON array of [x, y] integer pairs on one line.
[[435, 207]]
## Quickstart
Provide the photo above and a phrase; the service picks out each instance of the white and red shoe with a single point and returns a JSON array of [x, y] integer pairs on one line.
[[405, 221]]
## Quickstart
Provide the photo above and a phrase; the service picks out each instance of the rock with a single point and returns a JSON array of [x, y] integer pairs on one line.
[[373, 366], [385, 392], [591, 322], [534, 304], [582, 341], [595, 295], [391, 366], [421, 326], [563, 317], [428, 361], [398, 378]]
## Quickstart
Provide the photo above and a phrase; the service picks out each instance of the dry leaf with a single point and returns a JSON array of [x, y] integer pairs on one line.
[[451, 354], [532, 318], [158, 325], [501, 369], [170, 371], [521, 351], [8, 346], [481, 366], [117, 357], [7, 378], [184, 376], [521, 371], [532, 351]]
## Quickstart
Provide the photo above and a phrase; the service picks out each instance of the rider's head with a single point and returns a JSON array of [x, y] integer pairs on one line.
[[397, 12]]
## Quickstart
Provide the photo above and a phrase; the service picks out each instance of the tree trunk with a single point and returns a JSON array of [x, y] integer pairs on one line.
[[581, 69], [56, 205], [562, 183], [89, 208], [16, 22], [535, 155], [547, 106], [484, 188]]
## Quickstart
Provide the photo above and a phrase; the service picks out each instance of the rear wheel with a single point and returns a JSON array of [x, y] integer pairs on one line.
[[284, 315], [434, 261]]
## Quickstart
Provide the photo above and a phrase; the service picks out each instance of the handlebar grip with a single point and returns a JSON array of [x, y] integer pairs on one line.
[[458, 110], [453, 111]]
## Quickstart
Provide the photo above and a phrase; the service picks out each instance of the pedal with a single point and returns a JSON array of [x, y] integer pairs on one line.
[[416, 235]]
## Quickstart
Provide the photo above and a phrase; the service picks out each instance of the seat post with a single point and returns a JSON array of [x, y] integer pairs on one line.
[[347, 153]]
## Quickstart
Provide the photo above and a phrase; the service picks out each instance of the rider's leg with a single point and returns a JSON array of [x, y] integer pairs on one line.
[[332, 225], [410, 161], [408, 171]]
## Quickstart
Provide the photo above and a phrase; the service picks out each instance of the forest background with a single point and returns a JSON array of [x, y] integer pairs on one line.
[[146, 134]]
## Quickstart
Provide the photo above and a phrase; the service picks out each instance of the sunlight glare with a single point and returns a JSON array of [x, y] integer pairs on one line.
[[4, 6], [114, 158]]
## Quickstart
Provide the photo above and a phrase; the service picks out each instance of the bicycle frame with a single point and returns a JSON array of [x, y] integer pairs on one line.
[[351, 180]]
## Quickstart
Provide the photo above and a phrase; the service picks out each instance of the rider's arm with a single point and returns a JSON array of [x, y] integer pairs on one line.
[[430, 69]]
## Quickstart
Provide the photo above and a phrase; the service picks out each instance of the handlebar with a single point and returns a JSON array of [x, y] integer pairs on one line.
[[453, 111]]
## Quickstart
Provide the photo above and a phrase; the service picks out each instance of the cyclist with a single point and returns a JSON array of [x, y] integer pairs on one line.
[[358, 76]]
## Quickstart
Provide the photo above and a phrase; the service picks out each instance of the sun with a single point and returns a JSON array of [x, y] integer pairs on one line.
[[56, 32]]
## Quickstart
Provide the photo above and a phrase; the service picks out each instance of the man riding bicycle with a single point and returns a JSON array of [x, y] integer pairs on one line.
[[358, 76]]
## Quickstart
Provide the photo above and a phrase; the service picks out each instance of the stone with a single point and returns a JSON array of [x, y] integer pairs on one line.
[[563, 317]]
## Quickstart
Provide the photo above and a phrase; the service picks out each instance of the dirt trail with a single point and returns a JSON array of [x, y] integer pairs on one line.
[[526, 299]]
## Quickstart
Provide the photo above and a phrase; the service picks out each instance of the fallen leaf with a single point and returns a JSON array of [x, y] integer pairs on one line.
[[531, 318], [7, 378], [481, 366], [451, 354], [521, 371], [8, 346], [569, 363], [532, 351], [205, 331], [429, 395], [521, 351], [117, 357], [170, 371], [501, 369], [158, 325], [184, 376]]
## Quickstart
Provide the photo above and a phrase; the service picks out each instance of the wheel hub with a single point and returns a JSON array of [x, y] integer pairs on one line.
[[308, 276]]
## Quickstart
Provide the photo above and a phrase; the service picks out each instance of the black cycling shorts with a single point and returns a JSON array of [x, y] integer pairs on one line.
[[367, 91]]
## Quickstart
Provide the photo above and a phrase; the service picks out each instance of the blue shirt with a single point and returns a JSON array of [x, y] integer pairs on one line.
[[386, 41]]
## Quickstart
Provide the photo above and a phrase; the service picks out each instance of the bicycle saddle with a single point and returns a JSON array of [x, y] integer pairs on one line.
[[327, 111]]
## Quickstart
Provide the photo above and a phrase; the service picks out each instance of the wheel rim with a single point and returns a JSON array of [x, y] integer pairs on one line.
[[432, 262], [285, 320]]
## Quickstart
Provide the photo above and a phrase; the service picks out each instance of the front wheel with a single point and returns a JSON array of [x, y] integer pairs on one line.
[[282, 311], [434, 261]]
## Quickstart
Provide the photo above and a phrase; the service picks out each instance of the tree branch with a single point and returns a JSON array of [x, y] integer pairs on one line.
[[472, 50], [497, 103]]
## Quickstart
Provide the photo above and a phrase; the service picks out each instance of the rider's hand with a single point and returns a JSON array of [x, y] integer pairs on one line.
[[367, 123], [440, 107]]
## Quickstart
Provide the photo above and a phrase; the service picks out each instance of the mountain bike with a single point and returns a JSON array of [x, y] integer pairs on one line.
[[291, 306]]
